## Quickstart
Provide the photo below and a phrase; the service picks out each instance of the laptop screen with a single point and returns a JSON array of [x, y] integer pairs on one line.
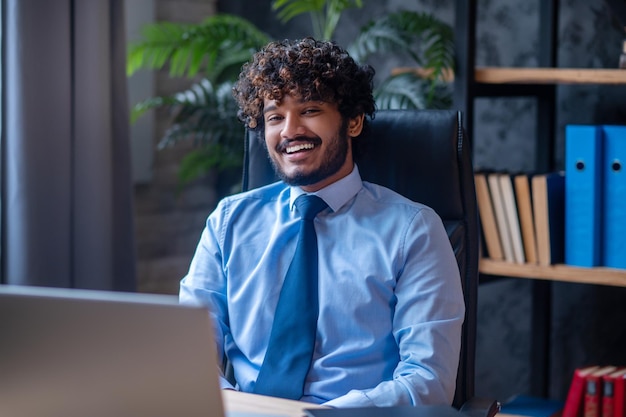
[[79, 353]]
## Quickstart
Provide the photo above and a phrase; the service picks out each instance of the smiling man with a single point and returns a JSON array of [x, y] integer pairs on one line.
[[293, 132], [388, 305]]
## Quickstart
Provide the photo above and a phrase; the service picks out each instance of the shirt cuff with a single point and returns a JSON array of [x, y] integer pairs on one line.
[[224, 384], [353, 398]]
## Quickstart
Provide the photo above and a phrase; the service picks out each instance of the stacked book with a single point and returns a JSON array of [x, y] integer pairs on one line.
[[597, 391], [522, 216], [576, 216]]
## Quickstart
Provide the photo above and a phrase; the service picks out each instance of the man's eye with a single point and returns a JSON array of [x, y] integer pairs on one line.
[[273, 118], [310, 111]]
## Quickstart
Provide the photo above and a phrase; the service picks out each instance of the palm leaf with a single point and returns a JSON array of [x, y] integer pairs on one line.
[[333, 13], [374, 39], [428, 41], [189, 49], [288, 9], [205, 114], [324, 14], [408, 91], [201, 161]]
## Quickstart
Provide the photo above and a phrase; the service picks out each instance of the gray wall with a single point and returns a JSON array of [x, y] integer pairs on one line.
[[585, 319]]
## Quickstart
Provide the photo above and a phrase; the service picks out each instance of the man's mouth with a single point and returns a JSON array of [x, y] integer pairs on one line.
[[299, 147]]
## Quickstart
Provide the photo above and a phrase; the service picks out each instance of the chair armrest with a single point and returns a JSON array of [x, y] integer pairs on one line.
[[480, 407]]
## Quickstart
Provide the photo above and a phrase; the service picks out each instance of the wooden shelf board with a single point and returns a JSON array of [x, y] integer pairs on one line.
[[565, 273], [503, 75]]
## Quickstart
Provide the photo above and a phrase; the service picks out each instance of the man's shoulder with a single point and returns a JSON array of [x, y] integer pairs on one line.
[[388, 196], [268, 193], [394, 204]]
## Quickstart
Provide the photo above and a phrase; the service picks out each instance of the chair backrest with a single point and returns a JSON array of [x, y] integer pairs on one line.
[[425, 156]]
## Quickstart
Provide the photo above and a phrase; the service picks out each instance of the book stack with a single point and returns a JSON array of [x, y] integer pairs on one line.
[[575, 216], [522, 216], [597, 391]]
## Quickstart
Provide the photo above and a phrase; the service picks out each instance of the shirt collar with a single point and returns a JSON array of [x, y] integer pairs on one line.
[[336, 194]]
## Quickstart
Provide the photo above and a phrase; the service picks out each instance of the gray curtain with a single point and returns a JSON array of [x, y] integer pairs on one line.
[[67, 217]]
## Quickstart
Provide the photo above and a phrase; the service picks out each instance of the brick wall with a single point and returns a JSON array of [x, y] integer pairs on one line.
[[168, 219]]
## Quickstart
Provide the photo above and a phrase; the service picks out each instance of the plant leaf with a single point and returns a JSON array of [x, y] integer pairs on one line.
[[288, 9], [325, 14], [206, 114], [189, 49], [408, 91], [428, 41]]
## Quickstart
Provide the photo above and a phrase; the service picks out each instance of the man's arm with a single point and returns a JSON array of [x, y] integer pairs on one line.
[[427, 323], [205, 284]]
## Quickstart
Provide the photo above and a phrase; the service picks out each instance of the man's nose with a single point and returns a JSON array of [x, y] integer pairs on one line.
[[292, 127]]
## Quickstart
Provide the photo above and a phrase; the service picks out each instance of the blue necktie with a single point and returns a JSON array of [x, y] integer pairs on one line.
[[292, 338]]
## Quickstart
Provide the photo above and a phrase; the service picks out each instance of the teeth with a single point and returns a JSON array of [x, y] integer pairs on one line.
[[299, 147]]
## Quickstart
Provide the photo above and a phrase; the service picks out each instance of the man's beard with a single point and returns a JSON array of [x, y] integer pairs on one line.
[[334, 158]]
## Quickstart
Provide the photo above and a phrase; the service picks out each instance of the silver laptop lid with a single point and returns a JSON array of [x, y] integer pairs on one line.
[[79, 353]]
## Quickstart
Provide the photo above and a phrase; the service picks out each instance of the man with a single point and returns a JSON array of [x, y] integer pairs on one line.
[[390, 304]]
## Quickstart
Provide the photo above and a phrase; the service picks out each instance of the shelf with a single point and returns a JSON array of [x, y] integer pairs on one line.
[[500, 75], [547, 76], [565, 273]]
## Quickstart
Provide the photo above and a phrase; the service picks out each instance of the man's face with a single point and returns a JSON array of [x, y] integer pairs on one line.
[[308, 142]]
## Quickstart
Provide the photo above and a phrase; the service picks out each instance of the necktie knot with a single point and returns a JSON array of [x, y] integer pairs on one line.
[[309, 205]]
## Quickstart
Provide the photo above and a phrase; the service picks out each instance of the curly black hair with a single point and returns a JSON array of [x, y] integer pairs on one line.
[[307, 68]]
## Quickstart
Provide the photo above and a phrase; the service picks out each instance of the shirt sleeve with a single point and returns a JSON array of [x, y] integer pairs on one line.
[[205, 283], [427, 323]]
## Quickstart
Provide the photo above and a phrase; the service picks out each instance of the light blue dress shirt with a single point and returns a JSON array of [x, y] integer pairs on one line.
[[390, 298]]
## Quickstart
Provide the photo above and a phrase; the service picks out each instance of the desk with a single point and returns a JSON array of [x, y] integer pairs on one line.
[[244, 402]]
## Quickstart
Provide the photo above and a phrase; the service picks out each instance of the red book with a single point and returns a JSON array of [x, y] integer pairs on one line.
[[576, 394], [619, 396], [614, 393], [593, 392]]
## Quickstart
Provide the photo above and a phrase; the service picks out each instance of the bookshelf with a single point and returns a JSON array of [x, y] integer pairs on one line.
[[471, 82], [559, 272], [550, 76], [500, 75], [508, 75]]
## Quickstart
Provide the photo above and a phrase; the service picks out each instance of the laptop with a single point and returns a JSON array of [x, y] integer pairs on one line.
[[82, 353]]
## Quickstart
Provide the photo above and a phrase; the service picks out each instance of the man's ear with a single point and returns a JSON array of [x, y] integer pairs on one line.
[[355, 125]]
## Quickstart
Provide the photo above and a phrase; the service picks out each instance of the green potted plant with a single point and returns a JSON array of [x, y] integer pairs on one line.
[[215, 49]]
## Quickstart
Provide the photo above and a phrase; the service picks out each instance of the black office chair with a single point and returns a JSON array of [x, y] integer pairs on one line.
[[425, 156]]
